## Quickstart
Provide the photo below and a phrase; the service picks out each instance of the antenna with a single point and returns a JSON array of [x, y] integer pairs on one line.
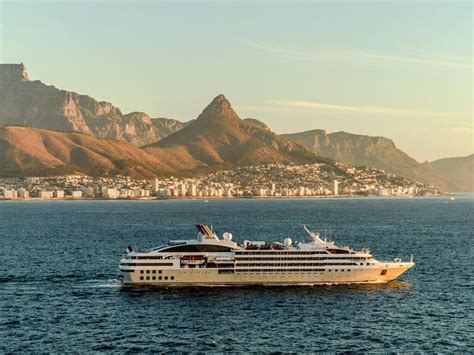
[[313, 235]]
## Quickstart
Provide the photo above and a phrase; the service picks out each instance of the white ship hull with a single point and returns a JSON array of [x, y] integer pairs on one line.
[[211, 277], [210, 261]]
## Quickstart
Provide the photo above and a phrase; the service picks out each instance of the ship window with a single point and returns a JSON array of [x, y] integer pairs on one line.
[[148, 277], [159, 271], [141, 271], [200, 248], [153, 271], [153, 277], [159, 277], [172, 277], [148, 271], [166, 277], [141, 277], [384, 272]]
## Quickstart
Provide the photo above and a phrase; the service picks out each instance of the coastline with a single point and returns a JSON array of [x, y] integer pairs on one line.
[[207, 199]]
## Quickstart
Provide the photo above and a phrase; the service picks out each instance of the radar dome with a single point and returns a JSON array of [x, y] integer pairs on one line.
[[227, 236], [288, 242]]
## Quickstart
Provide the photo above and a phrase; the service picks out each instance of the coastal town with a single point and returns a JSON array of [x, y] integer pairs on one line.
[[272, 180]]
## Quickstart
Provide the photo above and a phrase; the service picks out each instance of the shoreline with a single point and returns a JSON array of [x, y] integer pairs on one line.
[[207, 199]]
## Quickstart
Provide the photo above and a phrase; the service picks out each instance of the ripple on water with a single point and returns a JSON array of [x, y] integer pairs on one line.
[[60, 293]]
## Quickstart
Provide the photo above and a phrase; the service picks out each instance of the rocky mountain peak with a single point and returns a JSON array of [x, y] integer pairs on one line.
[[39, 105], [219, 109], [13, 72]]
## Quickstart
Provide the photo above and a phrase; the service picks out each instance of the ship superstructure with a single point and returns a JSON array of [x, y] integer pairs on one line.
[[212, 261]]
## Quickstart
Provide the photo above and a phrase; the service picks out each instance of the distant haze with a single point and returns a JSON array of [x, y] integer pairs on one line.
[[400, 70]]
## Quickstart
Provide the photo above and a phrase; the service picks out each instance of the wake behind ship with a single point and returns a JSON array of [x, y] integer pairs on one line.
[[213, 261]]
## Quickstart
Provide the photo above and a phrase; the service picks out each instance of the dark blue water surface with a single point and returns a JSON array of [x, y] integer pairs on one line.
[[59, 289]]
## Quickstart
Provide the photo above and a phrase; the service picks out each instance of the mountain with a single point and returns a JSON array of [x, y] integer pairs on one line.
[[219, 138], [354, 149], [32, 103], [255, 122], [378, 152], [163, 127], [38, 152], [460, 170]]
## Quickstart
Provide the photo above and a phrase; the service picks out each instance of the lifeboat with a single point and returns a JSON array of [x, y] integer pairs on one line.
[[193, 259]]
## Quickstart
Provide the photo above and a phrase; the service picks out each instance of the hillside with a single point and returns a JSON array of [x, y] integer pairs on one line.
[[32, 103], [377, 152], [218, 138], [460, 170], [38, 152]]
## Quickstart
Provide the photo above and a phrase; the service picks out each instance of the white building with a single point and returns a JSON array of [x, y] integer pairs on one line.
[[10, 194], [301, 191], [23, 193], [58, 194], [141, 193], [108, 192], [155, 185], [76, 194], [125, 193], [192, 190], [182, 190], [45, 194], [335, 187]]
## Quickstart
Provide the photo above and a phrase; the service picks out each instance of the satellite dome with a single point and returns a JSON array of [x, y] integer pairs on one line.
[[227, 236], [288, 242]]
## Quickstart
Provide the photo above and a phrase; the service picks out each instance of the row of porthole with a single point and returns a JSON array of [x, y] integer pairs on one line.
[[154, 278], [150, 271]]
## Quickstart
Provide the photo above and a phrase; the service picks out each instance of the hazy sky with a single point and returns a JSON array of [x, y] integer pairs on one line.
[[402, 69]]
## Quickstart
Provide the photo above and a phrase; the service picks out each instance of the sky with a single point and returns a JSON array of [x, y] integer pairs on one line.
[[400, 69]]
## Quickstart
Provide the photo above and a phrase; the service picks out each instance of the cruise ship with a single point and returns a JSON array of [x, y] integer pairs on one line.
[[212, 261]]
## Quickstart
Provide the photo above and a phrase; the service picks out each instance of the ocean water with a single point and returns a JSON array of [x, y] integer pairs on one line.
[[59, 289]]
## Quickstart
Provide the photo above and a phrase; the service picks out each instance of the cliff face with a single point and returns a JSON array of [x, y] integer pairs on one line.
[[163, 127], [32, 103], [377, 152], [352, 148], [13, 72]]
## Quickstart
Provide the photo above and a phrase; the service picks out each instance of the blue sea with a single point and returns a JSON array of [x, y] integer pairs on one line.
[[59, 287]]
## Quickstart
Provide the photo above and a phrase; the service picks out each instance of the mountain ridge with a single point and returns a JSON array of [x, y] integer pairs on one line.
[[33, 103], [459, 169], [219, 137], [376, 151]]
